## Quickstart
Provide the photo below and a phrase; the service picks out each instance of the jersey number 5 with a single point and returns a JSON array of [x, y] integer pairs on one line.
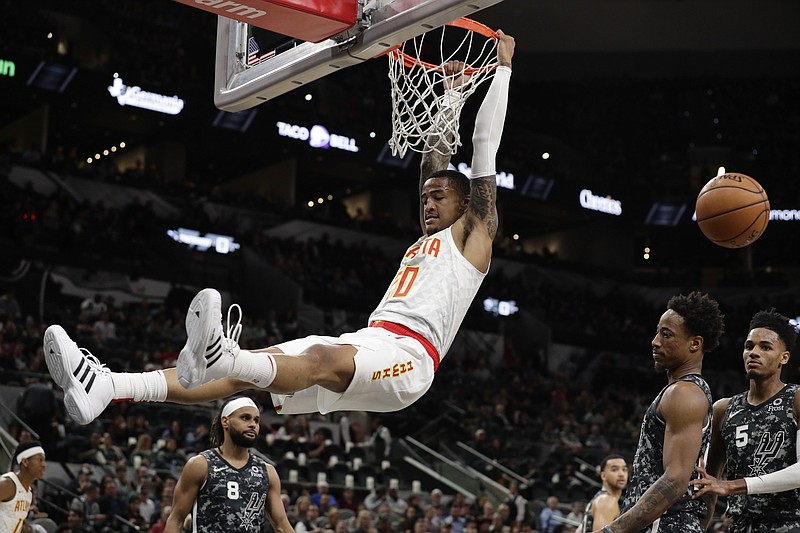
[[741, 437]]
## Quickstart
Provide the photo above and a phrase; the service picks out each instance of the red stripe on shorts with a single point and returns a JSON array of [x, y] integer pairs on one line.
[[399, 329]]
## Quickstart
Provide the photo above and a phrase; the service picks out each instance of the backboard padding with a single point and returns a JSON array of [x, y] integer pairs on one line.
[[381, 26]]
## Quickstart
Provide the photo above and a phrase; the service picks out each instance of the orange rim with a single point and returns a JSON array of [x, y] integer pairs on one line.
[[464, 23]]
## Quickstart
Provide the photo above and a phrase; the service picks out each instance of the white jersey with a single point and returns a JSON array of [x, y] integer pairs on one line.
[[14, 512], [432, 291]]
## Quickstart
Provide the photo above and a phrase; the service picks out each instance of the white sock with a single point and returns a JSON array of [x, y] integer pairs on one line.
[[257, 368], [140, 387]]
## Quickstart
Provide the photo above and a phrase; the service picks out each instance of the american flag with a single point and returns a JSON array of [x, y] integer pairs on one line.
[[252, 53]]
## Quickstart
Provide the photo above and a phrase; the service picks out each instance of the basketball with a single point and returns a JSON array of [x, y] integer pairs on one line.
[[732, 210]]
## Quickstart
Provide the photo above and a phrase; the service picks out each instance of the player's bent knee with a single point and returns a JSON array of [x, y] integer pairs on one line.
[[330, 364]]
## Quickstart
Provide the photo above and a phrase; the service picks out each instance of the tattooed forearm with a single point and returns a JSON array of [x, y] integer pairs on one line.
[[483, 202], [431, 162], [436, 159], [658, 498]]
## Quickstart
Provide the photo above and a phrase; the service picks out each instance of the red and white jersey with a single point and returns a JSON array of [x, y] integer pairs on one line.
[[432, 291], [14, 512]]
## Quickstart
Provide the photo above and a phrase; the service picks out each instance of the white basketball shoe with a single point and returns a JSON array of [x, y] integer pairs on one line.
[[209, 353], [88, 387]]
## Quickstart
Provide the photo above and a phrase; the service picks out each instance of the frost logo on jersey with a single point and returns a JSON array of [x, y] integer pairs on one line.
[[253, 510], [768, 448], [777, 405], [256, 471]]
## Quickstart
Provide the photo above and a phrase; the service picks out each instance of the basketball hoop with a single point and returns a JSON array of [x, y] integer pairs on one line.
[[426, 108]]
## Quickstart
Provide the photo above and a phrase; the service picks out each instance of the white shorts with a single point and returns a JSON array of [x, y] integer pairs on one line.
[[392, 372]]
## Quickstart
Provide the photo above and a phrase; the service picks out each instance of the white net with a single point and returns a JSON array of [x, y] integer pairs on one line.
[[427, 98]]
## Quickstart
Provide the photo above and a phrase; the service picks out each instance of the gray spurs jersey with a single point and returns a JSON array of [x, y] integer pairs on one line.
[[685, 515], [760, 439], [231, 499]]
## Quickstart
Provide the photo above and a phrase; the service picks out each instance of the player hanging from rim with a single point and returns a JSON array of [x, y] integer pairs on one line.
[[604, 506], [676, 428], [15, 487], [755, 440], [227, 488], [384, 367]]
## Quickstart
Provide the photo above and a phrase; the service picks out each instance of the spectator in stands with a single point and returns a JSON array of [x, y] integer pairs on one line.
[[147, 506], [175, 430], [471, 526], [415, 501], [310, 522], [397, 505], [110, 503], [319, 445], [376, 498], [109, 453], [347, 501], [324, 489], [301, 506], [170, 456], [77, 522], [364, 523], [105, 331], [575, 515], [380, 440], [92, 451], [143, 453], [159, 526], [79, 483], [383, 519], [125, 485], [437, 498], [457, 519], [132, 515], [333, 517], [95, 306], [517, 504], [547, 521], [197, 439], [88, 504], [497, 521], [409, 519]]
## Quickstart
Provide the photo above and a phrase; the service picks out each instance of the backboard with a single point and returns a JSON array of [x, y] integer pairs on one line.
[[247, 75]]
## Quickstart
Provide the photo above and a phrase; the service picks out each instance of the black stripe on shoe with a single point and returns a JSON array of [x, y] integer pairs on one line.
[[214, 348], [211, 363], [91, 382], [78, 370]]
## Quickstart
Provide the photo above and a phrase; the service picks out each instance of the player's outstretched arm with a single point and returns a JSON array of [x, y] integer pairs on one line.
[[684, 408], [485, 142], [192, 478], [276, 513]]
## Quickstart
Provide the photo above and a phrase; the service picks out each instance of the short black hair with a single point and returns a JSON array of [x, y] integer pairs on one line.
[[701, 315], [778, 323], [21, 447], [458, 180], [608, 458]]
